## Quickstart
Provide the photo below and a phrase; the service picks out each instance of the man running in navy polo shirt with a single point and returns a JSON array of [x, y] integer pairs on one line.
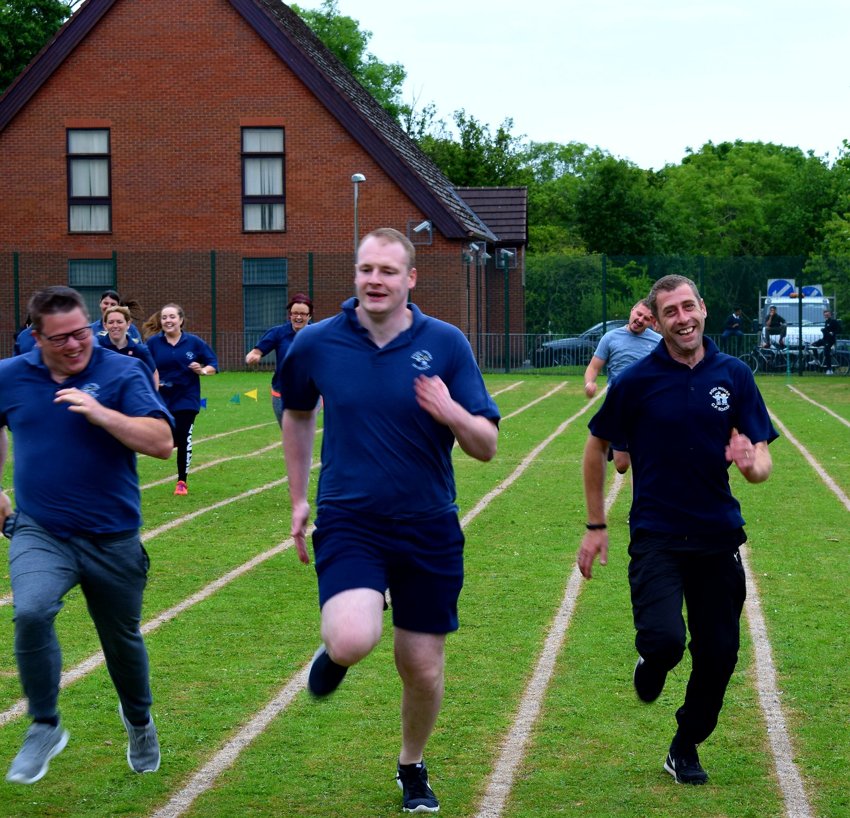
[[78, 414], [398, 389], [686, 412]]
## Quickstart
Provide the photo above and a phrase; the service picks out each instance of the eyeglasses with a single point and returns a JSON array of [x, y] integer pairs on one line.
[[294, 314], [60, 340]]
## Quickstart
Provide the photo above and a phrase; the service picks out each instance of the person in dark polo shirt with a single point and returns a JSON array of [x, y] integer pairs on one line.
[[686, 412], [78, 415]]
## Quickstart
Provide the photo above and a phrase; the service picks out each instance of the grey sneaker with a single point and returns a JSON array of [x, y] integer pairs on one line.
[[143, 748], [42, 742]]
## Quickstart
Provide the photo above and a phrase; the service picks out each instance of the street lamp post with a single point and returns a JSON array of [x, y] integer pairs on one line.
[[356, 179], [506, 256]]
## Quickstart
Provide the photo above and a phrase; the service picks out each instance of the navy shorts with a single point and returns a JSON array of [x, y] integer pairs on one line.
[[419, 560]]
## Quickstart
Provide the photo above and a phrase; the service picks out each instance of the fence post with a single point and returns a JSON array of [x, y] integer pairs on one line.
[[214, 310], [506, 257], [16, 277], [604, 291]]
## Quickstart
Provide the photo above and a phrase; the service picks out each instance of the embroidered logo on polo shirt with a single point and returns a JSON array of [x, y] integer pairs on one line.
[[190, 354], [91, 389], [422, 360], [721, 398]]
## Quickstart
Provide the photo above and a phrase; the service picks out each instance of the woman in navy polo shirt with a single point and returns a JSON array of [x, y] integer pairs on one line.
[[117, 322], [181, 359], [110, 298], [279, 338]]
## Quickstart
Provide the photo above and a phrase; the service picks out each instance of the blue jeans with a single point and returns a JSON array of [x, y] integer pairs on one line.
[[111, 571]]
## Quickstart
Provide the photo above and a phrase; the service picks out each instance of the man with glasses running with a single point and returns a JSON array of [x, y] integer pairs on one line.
[[78, 414]]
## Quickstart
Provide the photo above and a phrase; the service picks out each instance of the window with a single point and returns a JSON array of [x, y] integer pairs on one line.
[[89, 193], [262, 179], [264, 294], [90, 277]]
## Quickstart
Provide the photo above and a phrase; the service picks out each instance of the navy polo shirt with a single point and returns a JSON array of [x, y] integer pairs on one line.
[[179, 386], [134, 349], [70, 475], [99, 330], [381, 453], [676, 423], [24, 342], [279, 339]]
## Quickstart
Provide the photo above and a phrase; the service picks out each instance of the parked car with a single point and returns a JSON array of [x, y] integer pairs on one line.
[[576, 350]]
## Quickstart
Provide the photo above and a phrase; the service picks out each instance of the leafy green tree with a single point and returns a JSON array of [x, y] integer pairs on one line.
[[553, 172], [618, 209], [342, 35], [25, 27], [747, 199], [476, 157]]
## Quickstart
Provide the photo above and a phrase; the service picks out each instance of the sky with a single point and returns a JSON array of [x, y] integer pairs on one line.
[[645, 80]]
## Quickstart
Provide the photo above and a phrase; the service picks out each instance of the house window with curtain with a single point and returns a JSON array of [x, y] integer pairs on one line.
[[262, 180], [264, 294], [89, 190]]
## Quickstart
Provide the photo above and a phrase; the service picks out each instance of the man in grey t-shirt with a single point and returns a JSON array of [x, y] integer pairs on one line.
[[618, 349]]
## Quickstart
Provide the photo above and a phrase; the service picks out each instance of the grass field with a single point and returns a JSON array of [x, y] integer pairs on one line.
[[540, 718]]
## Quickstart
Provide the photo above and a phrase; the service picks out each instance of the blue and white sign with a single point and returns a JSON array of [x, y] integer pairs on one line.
[[780, 287], [814, 290]]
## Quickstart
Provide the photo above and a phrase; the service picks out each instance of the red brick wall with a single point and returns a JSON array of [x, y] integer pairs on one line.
[[174, 81]]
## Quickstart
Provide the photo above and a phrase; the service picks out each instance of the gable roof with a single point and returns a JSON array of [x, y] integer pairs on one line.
[[327, 78], [503, 209]]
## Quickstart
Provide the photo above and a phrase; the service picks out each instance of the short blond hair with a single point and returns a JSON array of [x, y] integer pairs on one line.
[[390, 234]]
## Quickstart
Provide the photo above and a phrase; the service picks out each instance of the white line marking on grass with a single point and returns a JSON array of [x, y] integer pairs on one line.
[[821, 471], [536, 400], [227, 755], [826, 409], [790, 780], [526, 462], [513, 748], [206, 777], [233, 432], [211, 463], [95, 660], [507, 388]]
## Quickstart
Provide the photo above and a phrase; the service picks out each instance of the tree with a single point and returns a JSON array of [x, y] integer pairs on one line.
[[25, 27], [342, 36], [476, 158], [618, 208], [747, 199], [553, 173]]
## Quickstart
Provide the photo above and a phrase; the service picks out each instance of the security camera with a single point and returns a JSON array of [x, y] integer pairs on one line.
[[473, 246], [358, 177], [426, 225]]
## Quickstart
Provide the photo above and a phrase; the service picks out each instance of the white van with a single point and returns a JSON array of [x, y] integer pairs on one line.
[[789, 309]]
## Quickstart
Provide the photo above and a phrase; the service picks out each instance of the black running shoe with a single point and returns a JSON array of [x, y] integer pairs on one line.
[[325, 675], [648, 681], [416, 796], [683, 764]]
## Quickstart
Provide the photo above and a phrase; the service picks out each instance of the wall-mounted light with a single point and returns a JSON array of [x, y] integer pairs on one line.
[[421, 233]]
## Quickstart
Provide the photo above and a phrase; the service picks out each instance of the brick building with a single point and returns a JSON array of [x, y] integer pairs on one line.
[[206, 152]]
